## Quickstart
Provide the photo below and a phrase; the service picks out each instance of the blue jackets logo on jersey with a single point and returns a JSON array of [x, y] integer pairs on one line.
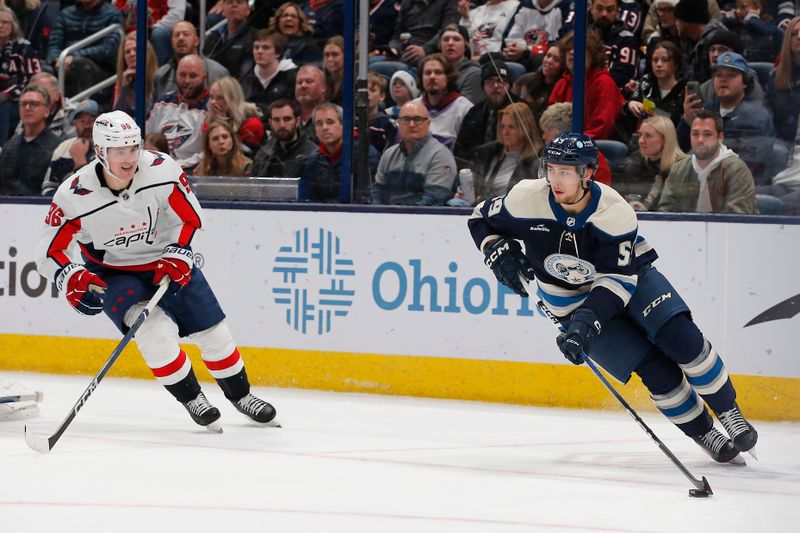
[[569, 268], [315, 281]]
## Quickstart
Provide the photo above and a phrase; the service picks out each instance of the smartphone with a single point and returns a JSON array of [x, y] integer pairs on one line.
[[694, 88]]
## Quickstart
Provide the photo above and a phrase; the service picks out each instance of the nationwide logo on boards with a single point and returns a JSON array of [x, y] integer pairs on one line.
[[316, 281]]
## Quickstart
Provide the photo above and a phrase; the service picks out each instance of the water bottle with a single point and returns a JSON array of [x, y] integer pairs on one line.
[[467, 185], [405, 40]]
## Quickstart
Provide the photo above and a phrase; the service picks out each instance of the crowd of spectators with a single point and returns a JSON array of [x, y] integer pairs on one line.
[[694, 103]]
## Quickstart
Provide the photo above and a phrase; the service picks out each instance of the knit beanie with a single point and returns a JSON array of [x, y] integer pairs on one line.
[[408, 80], [726, 38], [693, 11]]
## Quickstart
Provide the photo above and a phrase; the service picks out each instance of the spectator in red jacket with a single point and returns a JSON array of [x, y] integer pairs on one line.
[[603, 101]]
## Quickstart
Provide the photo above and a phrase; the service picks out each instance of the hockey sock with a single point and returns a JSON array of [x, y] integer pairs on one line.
[[683, 342], [186, 389], [236, 386]]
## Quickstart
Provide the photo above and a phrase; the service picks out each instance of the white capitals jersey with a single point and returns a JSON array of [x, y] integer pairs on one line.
[[127, 231]]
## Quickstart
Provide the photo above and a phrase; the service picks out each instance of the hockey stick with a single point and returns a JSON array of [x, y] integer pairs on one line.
[[44, 444], [30, 397], [702, 488]]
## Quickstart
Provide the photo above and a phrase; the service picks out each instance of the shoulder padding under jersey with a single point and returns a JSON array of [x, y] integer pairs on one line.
[[530, 199], [614, 216]]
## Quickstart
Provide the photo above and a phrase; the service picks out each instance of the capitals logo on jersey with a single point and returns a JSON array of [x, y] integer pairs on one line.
[[569, 268], [77, 188]]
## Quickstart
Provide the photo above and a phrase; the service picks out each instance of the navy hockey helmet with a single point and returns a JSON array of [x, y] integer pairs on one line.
[[573, 149]]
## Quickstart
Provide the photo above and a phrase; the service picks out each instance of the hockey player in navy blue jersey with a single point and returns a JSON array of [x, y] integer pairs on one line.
[[132, 216], [595, 274]]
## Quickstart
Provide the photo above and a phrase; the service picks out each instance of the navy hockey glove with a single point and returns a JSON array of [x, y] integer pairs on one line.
[[505, 258], [83, 289], [176, 262], [574, 342]]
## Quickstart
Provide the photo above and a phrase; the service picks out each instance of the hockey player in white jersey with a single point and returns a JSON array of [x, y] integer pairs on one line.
[[595, 273], [132, 217]]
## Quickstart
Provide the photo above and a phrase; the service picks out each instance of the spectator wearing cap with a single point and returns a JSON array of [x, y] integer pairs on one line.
[[402, 88], [660, 22], [722, 41], [695, 26], [25, 156], [747, 126], [480, 123], [446, 106], [454, 45], [74, 152], [757, 29]]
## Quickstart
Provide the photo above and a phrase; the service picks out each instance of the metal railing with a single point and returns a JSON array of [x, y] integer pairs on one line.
[[77, 46]]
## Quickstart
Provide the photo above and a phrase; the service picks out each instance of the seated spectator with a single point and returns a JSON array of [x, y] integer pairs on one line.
[[714, 179], [301, 47], [513, 157], [660, 88], [232, 44], [695, 27], [222, 154], [403, 89], [382, 130], [310, 91], [333, 65], [288, 148], [323, 170], [643, 179], [326, 17], [718, 43], [156, 142], [94, 63], [487, 24], [418, 170], [35, 22], [382, 19], [783, 89], [446, 107], [454, 45], [271, 79], [759, 33], [535, 88], [75, 152], [536, 25], [660, 24], [226, 103], [479, 126], [180, 114], [58, 118], [424, 23], [125, 87], [26, 156], [747, 125], [17, 64], [185, 41], [557, 119], [162, 17], [603, 101], [620, 38]]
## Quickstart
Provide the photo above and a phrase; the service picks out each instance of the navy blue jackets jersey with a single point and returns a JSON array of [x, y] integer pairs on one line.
[[588, 260]]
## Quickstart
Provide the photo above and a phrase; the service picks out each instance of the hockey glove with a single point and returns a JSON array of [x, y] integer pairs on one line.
[[83, 289], [505, 258], [176, 263], [574, 342]]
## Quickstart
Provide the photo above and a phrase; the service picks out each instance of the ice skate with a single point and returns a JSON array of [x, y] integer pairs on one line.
[[719, 447], [742, 433], [203, 413], [256, 409]]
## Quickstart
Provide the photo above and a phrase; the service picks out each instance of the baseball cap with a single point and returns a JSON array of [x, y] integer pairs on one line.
[[733, 61], [84, 106]]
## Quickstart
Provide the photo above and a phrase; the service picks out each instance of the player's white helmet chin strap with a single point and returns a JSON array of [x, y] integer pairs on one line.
[[114, 130]]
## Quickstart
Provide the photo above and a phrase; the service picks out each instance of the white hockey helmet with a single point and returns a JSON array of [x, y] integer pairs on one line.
[[113, 130]]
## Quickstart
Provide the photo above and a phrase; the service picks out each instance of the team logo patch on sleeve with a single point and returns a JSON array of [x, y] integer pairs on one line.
[[77, 188], [569, 268]]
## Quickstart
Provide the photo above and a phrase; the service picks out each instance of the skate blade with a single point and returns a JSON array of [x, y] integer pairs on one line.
[[214, 427], [752, 452], [737, 461], [272, 423]]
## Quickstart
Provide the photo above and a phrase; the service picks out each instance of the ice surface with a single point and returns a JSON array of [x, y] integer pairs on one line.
[[133, 461]]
